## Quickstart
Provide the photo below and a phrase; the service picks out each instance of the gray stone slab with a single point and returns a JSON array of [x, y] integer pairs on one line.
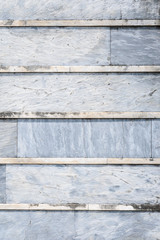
[[8, 138], [137, 138], [2, 184], [36, 225], [82, 184], [84, 138], [79, 225], [135, 46], [117, 226], [75, 9], [79, 92], [156, 138], [69, 138], [55, 46]]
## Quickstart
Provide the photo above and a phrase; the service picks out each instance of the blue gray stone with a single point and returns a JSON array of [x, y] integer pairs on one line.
[[156, 138], [79, 92], [54, 46], [135, 46], [2, 184], [137, 138], [8, 137], [117, 226], [82, 184], [84, 138], [79, 225], [36, 225], [75, 9]]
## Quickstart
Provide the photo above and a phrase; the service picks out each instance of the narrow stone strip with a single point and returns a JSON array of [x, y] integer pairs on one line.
[[81, 207], [79, 23], [79, 69], [80, 115], [80, 161]]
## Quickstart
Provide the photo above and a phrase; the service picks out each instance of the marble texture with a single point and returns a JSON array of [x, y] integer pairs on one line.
[[137, 138], [79, 92], [8, 138], [156, 138], [82, 184], [135, 46], [36, 225], [75, 9], [2, 184], [54, 46], [84, 138], [117, 226], [79, 226], [42, 49]]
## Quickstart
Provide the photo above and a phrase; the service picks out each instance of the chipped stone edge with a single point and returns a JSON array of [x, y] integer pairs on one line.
[[79, 115], [81, 207], [79, 23], [79, 69], [80, 161]]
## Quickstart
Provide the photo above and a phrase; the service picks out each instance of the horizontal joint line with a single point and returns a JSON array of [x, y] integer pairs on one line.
[[80, 161], [79, 115], [81, 207], [80, 69], [80, 23]]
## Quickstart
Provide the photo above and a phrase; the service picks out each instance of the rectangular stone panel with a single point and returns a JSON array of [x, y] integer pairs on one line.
[[156, 138], [82, 184], [36, 225], [67, 92], [136, 138], [2, 184], [8, 138], [54, 46], [79, 225], [135, 46], [75, 9], [84, 138], [117, 226]]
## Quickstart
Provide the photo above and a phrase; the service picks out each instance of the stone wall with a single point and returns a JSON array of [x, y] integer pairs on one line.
[[80, 120]]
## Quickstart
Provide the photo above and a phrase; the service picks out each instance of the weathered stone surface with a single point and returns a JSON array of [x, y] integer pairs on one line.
[[36, 225], [54, 46], [135, 46], [137, 138], [8, 138], [81, 23], [2, 184], [84, 138], [82, 184], [117, 226], [75, 9], [79, 92], [156, 138], [79, 225], [81, 69]]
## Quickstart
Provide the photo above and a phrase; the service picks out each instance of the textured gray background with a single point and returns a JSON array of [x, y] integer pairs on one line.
[[85, 138], [8, 138], [82, 184], [55, 46], [79, 226], [80, 92], [135, 46], [79, 46], [75, 9], [79, 138], [2, 184]]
